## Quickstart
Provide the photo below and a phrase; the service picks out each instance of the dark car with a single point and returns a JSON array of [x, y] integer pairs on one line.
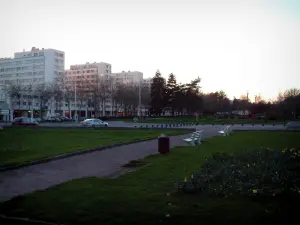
[[24, 121], [64, 118], [54, 119]]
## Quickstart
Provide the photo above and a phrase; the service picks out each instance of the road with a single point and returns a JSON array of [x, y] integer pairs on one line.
[[150, 125]]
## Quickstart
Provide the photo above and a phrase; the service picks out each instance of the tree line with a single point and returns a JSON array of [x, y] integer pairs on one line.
[[162, 96], [187, 99]]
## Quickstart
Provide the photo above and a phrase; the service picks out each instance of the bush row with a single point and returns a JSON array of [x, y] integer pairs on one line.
[[261, 172]]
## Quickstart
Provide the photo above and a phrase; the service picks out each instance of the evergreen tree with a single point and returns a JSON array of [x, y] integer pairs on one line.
[[170, 94], [158, 87]]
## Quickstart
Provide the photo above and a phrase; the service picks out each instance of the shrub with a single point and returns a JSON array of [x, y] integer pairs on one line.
[[262, 172]]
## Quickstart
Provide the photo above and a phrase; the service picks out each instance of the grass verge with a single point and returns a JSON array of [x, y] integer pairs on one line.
[[147, 196], [19, 145]]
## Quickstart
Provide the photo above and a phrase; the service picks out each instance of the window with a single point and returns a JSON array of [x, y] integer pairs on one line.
[[29, 103], [41, 53], [35, 54], [36, 104], [24, 103]]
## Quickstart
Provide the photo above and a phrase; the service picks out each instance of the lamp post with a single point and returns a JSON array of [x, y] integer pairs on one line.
[[139, 108], [75, 113]]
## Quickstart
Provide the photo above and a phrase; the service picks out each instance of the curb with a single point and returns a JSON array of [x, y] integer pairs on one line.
[[26, 220], [66, 155]]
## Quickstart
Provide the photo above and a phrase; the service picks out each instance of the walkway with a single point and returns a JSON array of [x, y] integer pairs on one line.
[[100, 163]]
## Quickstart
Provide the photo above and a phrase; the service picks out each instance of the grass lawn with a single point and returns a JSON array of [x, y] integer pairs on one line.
[[18, 145], [147, 196]]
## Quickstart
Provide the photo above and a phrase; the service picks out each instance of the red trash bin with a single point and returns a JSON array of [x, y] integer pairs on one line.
[[163, 144]]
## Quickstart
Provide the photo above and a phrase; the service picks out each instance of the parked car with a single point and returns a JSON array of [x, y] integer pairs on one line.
[[94, 123], [64, 118], [37, 119], [53, 119], [293, 125], [24, 121]]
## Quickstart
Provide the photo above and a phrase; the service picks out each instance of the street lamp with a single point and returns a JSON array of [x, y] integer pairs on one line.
[[139, 108], [75, 113]]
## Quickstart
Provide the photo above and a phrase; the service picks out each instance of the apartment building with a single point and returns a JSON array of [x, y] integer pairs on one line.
[[147, 82], [83, 77], [130, 77], [88, 72], [37, 66]]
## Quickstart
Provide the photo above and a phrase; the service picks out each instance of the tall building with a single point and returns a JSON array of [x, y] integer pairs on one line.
[[147, 82], [37, 66], [130, 77], [86, 72]]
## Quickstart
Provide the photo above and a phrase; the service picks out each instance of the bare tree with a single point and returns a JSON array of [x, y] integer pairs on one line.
[[82, 92], [101, 91], [57, 95], [126, 96], [66, 88], [43, 93], [15, 91]]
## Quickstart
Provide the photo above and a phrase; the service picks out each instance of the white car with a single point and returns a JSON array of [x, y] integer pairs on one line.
[[294, 125], [93, 123]]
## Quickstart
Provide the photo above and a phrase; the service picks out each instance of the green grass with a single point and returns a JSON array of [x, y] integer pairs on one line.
[[18, 145], [147, 195]]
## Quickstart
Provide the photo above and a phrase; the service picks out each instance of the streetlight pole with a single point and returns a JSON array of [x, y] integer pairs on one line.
[[75, 113], [139, 109]]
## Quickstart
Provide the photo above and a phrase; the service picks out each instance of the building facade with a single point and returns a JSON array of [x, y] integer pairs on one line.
[[29, 68], [84, 79], [130, 77]]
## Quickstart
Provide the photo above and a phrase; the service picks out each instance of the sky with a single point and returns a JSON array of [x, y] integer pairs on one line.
[[238, 46]]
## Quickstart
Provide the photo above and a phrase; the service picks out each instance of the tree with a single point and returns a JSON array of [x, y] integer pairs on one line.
[[105, 84], [170, 93], [145, 97], [216, 102], [157, 100], [43, 92], [289, 103], [192, 101], [15, 91], [82, 92], [66, 86]]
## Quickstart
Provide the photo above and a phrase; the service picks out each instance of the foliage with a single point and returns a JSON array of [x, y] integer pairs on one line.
[[158, 87], [261, 172], [180, 98]]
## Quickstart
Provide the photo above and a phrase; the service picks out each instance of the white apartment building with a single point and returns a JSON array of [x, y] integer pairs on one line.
[[130, 77], [37, 66], [147, 82], [83, 76], [86, 72]]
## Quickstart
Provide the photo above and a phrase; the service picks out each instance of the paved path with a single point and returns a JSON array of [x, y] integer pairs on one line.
[[101, 163]]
